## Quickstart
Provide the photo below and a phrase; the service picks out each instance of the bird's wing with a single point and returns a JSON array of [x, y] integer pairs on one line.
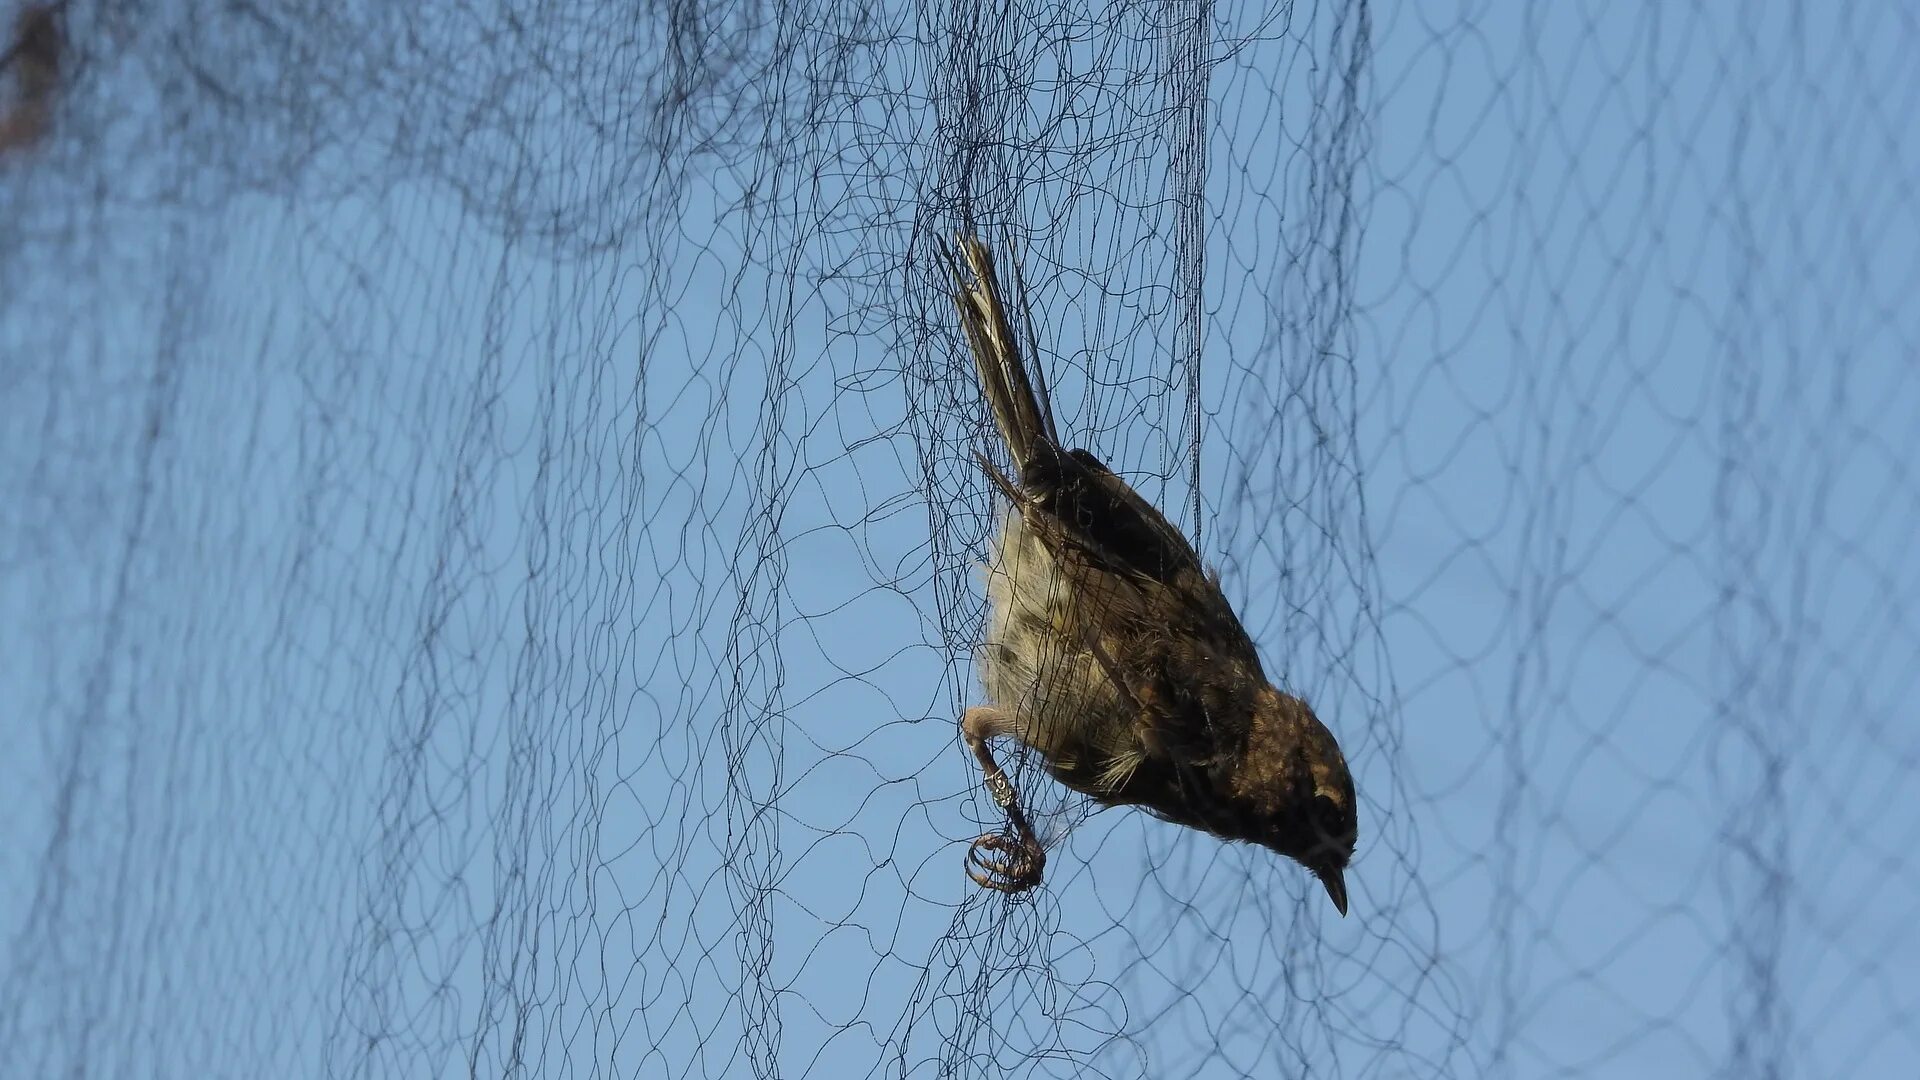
[[1192, 667], [1102, 514]]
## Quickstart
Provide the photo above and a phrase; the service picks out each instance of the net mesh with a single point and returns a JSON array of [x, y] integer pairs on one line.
[[490, 567]]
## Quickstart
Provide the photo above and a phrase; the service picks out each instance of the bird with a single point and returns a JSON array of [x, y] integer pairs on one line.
[[1113, 652]]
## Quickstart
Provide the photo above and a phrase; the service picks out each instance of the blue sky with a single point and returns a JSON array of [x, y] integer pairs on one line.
[[440, 651]]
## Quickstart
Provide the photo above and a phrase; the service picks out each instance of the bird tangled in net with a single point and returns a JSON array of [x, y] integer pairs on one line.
[[1113, 652]]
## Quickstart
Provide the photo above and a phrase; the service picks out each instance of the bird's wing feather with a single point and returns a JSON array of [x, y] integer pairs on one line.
[[1124, 534], [1105, 515]]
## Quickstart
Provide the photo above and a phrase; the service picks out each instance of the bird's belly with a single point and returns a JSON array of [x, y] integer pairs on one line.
[[1037, 662]]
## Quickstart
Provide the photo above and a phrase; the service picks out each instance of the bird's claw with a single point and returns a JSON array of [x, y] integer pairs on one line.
[[1017, 871]]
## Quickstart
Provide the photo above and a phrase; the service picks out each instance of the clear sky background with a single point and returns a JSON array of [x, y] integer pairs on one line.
[[474, 598]]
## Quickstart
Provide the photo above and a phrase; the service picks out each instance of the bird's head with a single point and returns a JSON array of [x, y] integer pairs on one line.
[[1333, 828], [1312, 816]]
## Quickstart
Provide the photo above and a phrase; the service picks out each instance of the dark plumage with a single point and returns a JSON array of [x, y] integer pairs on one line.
[[1112, 651], [31, 63]]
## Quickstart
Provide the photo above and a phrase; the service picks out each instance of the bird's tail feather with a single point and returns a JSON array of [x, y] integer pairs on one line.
[[1017, 397]]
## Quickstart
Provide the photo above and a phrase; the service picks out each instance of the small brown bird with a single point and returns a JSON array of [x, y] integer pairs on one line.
[[1112, 651]]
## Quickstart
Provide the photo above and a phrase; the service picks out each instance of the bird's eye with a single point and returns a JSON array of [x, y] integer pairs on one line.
[[1330, 815]]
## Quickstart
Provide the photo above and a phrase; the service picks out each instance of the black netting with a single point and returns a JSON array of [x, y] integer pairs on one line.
[[489, 558]]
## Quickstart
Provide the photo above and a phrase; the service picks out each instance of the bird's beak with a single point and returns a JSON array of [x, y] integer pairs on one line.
[[1336, 883]]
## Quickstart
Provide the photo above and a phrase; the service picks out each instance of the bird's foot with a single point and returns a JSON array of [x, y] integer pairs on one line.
[[1009, 864]]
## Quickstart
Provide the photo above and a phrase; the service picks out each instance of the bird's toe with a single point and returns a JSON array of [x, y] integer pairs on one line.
[[1004, 863]]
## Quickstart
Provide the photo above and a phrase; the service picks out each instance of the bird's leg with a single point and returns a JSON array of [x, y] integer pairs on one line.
[[1019, 868]]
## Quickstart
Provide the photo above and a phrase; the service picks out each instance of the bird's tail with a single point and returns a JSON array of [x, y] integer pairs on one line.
[[1017, 397]]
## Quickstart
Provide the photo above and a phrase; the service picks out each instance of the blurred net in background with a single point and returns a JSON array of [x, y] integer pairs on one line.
[[489, 568]]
